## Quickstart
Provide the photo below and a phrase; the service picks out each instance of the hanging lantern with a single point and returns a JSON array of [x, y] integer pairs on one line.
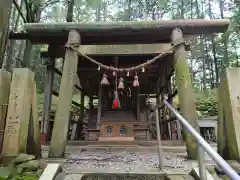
[[99, 68], [143, 69], [121, 84], [135, 82], [114, 73], [104, 80], [128, 73]]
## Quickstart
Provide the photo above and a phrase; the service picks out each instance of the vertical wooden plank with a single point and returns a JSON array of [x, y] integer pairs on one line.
[[61, 122], [159, 147], [48, 83], [231, 107], [5, 82], [18, 113], [138, 105], [99, 113], [81, 116], [149, 117], [35, 119], [183, 81]]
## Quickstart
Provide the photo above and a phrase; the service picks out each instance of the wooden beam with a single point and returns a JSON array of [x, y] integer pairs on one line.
[[61, 122], [202, 25], [185, 92], [76, 86], [116, 50], [55, 93], [5, 83], [16, 129], [124, 49], [125, 32]]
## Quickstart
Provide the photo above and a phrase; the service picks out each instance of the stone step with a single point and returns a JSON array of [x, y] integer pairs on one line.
[[115, 148], [136, 142], [126, 176]]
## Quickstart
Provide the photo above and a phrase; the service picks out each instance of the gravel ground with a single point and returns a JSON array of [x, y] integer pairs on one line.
[[126, 161], [123, 161]]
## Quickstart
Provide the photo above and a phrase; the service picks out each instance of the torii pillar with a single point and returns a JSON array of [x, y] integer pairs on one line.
[[185, 92]]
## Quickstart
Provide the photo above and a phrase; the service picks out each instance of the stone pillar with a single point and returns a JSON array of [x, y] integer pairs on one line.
[[61, 122], [185, 92], [228, 122]]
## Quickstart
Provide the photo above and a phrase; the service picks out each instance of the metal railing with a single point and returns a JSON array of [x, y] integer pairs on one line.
[[202, 145]]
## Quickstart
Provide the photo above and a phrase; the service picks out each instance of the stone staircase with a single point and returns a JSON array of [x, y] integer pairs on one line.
[[118, 116]]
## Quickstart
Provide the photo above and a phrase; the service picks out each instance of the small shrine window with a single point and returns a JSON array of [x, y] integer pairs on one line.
[[109, 131], [122, 130]]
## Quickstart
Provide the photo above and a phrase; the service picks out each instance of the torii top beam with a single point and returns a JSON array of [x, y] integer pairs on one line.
[[124, 32]]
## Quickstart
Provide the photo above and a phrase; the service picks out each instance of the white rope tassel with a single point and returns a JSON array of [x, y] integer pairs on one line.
[[135, 82], [121, 84], [104, 80]]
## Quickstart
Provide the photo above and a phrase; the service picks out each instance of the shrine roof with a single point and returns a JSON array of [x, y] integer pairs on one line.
[[124, 32]]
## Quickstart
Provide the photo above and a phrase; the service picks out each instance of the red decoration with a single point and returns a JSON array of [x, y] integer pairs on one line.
[[115, 104]]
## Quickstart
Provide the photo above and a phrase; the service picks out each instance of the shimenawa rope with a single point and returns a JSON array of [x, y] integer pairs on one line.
[[75, 46]]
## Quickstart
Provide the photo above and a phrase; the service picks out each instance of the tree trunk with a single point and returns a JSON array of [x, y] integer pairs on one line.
[[69, 17], [5, 12], [202, 53], [20, 54], [213, 47], [11, 60], [27, 56], [129, 10], [105, 10], [98, 11], [224, 36]]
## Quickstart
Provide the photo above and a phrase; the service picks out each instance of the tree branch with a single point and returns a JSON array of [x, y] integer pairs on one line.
[[50, 2], [19, 11], [28, 9]]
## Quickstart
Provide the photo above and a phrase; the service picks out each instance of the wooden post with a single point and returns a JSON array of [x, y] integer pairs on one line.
[[48, 82], [16, 129], [185, 94], [5, 82], [138, 105], [160, 151], [230, 100], [61, 122], [90, 102], [150, 121], [170, 100], [5, 12], [81, 116], [99, 106]]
